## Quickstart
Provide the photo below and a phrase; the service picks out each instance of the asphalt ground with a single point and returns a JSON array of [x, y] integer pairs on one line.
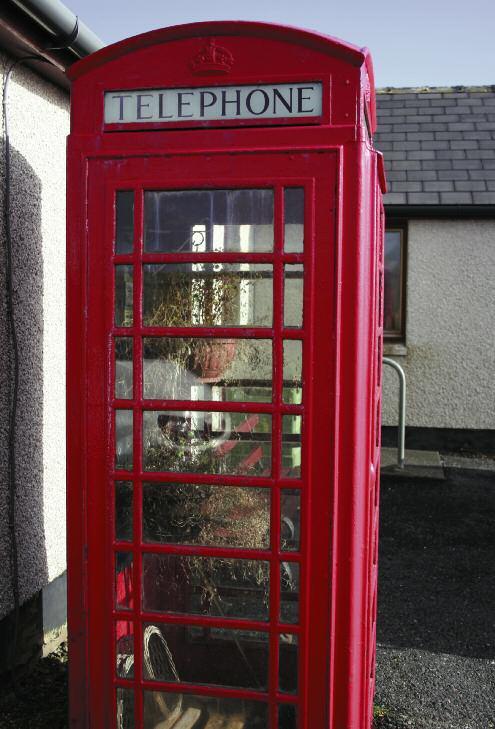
[[436, 602]]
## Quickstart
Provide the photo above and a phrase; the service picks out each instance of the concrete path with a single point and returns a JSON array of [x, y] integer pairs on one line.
[[418, 464]]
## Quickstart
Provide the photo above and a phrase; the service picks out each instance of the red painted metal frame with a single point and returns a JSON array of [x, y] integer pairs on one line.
[[341, 333], [276, 408]]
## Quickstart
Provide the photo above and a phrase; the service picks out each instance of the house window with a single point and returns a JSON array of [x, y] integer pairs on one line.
[[394, 288]]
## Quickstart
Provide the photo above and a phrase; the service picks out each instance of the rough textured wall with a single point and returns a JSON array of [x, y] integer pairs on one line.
[[450, 327], [38, 124]]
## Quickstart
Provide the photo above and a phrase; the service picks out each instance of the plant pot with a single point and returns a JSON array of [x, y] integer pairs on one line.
[[212, 358]]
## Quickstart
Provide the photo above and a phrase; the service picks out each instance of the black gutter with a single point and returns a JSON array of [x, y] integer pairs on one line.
[[63, 25], [27, 28], [452, 212]]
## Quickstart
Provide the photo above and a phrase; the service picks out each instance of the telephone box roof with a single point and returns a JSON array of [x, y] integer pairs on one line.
[[325, 44]]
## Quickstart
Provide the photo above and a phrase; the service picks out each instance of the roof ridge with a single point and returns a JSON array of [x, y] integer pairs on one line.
[[487, 88]]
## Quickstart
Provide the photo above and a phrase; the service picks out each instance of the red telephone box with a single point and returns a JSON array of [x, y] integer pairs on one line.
[[225, 288]]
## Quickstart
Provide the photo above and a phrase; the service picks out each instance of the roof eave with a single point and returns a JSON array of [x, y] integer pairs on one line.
[[24, 32]]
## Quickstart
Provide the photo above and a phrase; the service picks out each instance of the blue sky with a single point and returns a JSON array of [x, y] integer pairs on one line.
[[413, 42]]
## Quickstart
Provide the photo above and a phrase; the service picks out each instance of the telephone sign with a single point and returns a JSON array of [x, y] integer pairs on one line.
[[225, 279], [266, 101]]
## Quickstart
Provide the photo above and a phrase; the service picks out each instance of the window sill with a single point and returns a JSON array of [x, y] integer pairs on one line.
[[394, 349]]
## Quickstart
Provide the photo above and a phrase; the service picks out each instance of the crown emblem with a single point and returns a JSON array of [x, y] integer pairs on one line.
[[212, 59]]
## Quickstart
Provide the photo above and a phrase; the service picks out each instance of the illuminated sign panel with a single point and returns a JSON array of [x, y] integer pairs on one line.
[[270, 101]]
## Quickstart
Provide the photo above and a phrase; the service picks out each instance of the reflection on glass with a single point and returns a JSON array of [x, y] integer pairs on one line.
[[207, 442], [208, 294], [125, 708], [289, 592], [124, 590], [124, 221], [123, 296], [288, 663], [393, 281], [204, 711], [293, 295], [196, 368], [123, 367], [380, 294], [234, 588], [287, 716], [124, 641], [200, 221], [290, 527], [206, 515], [294, 219], [206, 655], [378, 435], [291, 446], [123, 439], [292, 391], [123, 511], [379, 361]]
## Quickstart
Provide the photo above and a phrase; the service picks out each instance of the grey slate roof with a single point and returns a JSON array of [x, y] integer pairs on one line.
[[438, 145]]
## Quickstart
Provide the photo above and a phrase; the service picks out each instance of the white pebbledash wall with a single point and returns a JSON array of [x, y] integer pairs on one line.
[[450, 327], [38, 114]]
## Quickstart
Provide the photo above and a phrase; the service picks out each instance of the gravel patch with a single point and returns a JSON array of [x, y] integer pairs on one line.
[[437, 690], [39, 700], [436, 621], [477, 463]]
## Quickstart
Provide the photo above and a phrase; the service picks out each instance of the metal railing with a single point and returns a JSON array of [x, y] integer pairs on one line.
[[401, 434]]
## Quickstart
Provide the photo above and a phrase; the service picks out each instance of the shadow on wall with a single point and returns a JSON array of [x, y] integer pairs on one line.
[[27, 262], [437, 564]]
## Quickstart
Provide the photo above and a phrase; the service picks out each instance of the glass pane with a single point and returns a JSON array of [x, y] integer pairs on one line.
[[393, 278], [289, 592], [124, 221], [199, 221], [290, 527], [125, 708], [210, 516], [195, 368], [124, 591], [288, 663], [124, 637], [220, 587], [123, 439], [287, 716], [123, 511], [203, 712], [208, 294], [123, 296], [216, 656], [291, 446], [207, 442], [294, 219], [292, 392], [293, 295], [123, 367]]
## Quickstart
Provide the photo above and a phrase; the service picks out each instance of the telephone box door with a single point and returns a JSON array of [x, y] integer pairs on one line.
[[209, 435]]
